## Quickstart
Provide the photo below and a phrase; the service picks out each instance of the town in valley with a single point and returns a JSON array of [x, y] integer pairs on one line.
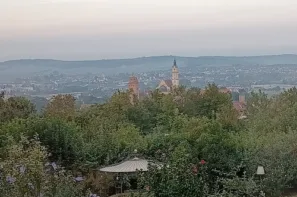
[[97, 84]]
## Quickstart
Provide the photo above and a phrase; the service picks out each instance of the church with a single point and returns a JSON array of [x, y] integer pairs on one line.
[[166, 86]]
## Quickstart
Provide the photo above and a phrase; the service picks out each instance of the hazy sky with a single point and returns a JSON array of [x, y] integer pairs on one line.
[[96, 29]]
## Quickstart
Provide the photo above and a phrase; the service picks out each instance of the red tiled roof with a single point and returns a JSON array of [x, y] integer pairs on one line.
[[168, 82], [224, 90]]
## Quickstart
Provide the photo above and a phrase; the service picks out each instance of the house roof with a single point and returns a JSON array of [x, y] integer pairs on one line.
[[221, 90], [224, 90], [168, 82], [132, 165]]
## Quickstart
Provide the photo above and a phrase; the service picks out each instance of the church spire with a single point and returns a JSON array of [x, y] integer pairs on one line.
[[174, 63], [175, 78]]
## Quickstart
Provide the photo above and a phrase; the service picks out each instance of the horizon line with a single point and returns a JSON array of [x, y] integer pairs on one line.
[[153, 56]]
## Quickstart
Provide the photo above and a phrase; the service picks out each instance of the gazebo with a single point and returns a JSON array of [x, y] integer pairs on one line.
[[129, 166], [125, 169]]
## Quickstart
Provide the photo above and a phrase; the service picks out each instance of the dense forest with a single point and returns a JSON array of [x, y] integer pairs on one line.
[[205, 150]]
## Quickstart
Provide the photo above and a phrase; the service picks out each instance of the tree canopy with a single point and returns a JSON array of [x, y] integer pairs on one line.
[[204, 149]]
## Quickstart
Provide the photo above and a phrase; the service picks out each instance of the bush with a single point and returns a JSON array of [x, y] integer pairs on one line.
[[25, 172]]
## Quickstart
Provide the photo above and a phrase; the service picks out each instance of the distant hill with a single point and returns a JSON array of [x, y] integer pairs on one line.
[[26, 67]]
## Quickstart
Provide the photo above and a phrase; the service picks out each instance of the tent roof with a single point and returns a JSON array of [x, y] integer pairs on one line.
[[132, 165]]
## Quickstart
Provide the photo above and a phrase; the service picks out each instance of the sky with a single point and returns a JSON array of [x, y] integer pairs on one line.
[[105, 29]]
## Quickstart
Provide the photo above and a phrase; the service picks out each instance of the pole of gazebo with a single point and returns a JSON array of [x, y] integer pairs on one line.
[[119, 179], [121, 183], [121, 187]]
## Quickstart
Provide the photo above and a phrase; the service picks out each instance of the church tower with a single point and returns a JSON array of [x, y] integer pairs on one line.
[[133, 86], [175, 73]]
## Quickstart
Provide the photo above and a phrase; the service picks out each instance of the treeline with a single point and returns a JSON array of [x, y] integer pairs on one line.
[[206, 149]]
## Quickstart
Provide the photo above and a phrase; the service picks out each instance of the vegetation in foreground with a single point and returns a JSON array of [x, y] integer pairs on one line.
[[205, 149]]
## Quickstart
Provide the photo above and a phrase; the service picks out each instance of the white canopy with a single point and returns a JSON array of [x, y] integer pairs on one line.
[[132, 165]]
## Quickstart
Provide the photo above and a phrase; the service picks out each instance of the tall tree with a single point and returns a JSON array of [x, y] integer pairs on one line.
[[257, 102], [212, 101], [61, 106], [15, 107]]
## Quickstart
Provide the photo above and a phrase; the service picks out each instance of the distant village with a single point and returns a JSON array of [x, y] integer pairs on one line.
[[97, 88]]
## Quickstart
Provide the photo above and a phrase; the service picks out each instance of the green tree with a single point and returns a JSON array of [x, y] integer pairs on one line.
[[142, 117], [15, 107], [212, 101], [178, 176], [61, 106], [257, 102], [228, 117], [157, 110], [191, 98], [61, 139], [24, 173]]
